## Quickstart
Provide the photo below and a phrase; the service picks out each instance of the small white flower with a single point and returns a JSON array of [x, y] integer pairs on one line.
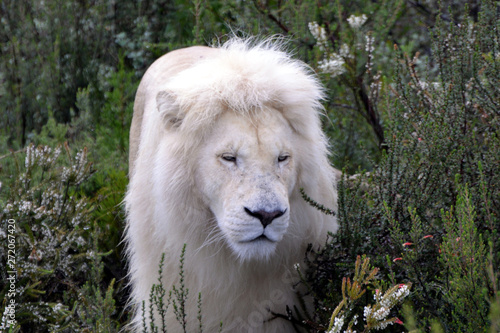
[[357, 21], [382, 325], [80, 241], [337, 325], [39, 212], [381, 313], [423, 85], [437, 85], [319, 34], [367, 312], [345, 51], [402, 292], [334, 65], [369, 44], [58, 307], [8, 208], [29, 156], [369, 48], [26, 206]]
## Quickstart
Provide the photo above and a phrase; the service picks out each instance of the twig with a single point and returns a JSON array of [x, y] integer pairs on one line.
[[11, 153]]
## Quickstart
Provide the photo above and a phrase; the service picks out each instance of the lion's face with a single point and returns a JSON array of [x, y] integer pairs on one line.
[[246, 174]]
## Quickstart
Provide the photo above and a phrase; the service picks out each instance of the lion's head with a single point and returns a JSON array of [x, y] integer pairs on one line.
[[247, 127]]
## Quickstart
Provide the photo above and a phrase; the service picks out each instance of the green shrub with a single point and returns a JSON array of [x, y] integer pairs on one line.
[[47, 222], [154, 318], [441, 150]]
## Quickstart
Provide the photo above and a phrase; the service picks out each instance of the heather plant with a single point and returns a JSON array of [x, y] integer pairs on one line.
[[352, 55], [441, 151], [454, 125], [154, 317], [94, 304], [346, 317], [464, 254], [48, 222]]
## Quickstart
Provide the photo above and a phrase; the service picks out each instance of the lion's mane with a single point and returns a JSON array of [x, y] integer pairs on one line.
[[179, 99]]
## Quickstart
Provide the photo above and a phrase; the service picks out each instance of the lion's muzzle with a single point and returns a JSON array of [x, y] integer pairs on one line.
[[264, 216]]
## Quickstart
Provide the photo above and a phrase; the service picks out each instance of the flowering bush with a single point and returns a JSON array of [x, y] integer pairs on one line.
[[48, 222], [375, 316], [427, 213]]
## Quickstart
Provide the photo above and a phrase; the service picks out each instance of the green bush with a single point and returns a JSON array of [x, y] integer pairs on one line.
[[441, 151], [47, 222], [175, 300]]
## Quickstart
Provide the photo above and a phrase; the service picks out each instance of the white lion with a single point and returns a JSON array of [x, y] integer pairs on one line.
[[222, 140]]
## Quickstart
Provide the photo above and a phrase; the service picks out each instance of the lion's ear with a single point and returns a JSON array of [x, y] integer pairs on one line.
[[169, 109]]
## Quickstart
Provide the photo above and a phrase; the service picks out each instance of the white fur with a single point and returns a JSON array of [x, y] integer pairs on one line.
[[195, 109]]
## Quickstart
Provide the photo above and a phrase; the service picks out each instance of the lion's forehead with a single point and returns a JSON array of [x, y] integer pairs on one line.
[[268, 133]]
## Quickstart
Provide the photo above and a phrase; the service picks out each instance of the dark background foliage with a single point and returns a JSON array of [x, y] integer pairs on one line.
[[413, 109]]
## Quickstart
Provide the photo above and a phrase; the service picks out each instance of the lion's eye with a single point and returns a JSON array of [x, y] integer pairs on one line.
[[229, 158], [283, 158]]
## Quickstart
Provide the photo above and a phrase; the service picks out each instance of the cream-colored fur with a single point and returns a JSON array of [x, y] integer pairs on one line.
[[221, 139]]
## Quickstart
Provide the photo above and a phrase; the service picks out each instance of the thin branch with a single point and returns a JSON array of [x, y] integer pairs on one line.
[[11, 153], [345, 106], [264, 11]]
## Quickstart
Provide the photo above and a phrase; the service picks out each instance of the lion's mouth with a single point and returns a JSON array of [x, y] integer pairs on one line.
[[261, 238]]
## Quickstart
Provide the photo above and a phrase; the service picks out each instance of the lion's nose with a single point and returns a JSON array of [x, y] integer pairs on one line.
[[265, 217]]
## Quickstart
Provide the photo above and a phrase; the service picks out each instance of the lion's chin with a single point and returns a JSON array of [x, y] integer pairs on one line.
[[258, 249]]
